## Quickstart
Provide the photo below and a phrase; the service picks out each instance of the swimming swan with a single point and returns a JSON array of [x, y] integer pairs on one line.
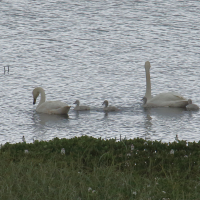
[[109, 108], [49, 107], [191, 106], [80, 108], [168, 99]]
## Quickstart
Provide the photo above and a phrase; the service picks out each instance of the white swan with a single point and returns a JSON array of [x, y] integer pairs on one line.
[[49, 107], [191, 106], [109, 108], [168, 99], [80, 108]]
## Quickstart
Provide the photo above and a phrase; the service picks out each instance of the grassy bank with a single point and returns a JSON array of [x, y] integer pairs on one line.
[[99, 169]]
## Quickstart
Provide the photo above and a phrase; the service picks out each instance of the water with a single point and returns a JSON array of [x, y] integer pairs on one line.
[[96, 50]]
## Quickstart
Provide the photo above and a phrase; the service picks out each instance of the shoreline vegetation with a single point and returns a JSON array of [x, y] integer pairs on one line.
[[89, 168]]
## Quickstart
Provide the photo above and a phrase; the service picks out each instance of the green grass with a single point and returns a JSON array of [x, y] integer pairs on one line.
[[99, 169]]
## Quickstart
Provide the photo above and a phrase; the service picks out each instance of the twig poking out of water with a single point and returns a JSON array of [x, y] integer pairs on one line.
[[23, 139], [6, 68]]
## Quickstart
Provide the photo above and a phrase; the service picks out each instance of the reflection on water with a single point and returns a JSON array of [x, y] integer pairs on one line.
[[147, 123], [45, 119]]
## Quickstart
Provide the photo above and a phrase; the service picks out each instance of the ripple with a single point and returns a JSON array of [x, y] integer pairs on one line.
[[93, 51]]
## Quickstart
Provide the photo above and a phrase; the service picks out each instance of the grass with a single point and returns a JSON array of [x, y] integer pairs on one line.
[[100, 169]]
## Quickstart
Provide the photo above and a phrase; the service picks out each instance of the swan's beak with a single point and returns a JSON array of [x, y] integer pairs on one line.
[[34, 101]]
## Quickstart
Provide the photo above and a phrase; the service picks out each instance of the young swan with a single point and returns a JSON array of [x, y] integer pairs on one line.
[[49, 107], [191, 106], [80, 108], [109, 108]]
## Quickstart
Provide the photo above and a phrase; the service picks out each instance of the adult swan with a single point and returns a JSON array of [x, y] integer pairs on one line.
[[49, 107], [168, 99]]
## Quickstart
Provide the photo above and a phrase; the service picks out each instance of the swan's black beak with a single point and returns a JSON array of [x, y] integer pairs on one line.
[[34, 101]]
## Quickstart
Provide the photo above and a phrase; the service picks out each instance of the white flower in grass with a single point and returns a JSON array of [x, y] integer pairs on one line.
[[93, 191], [23, 139], [89, 189], [172, 152], [26, 151], [176, 138], [134, 193], [164, 192], [63, 151]]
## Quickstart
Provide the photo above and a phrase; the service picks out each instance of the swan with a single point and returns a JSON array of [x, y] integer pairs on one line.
[[109, 108], [168, 99], [49, 107], [191, 106], [80, 108]]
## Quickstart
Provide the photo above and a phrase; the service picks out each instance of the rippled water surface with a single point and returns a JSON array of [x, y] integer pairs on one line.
[[96, 50]]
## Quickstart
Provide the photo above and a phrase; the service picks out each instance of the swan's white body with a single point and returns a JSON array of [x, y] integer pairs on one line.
[[80, 108], [49, 107], [191, 106], [109, 108], [168, 99]]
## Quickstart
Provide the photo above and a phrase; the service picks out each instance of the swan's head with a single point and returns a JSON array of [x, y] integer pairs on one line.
[[189, 101], [35, 93], [147, 65], [144, 99], [105, 103], [77, 102]]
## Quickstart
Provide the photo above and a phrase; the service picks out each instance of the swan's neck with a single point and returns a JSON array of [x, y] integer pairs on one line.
[[148, 85], [42, 96]]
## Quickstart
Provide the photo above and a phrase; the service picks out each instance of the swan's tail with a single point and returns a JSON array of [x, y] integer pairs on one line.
[[66, 109]]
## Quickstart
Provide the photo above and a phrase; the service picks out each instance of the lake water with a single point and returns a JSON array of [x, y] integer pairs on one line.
[[96, 50]]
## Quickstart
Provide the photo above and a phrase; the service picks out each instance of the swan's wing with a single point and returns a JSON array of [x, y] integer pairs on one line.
[[47, 106], [60, 111], [177, 96], [168, 99], [174, 104], [178, 104], [168, 96]]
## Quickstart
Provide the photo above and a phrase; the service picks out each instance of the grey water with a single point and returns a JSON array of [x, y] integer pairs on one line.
[[96, 50]]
